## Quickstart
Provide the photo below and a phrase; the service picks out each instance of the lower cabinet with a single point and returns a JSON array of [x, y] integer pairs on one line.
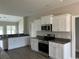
[[17, 42], [59, 51], [1, 44], [34, 44]]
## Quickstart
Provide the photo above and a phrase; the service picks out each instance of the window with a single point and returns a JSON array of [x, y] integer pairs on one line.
[[11, 29], [1, 30]]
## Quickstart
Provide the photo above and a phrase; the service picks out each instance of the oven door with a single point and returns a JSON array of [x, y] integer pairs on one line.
[[43, 47]]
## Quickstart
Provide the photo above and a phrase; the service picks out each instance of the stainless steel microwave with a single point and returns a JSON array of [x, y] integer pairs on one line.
[[46, 27]]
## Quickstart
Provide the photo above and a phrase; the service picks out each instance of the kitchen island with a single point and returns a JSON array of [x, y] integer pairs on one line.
[[13, 41]]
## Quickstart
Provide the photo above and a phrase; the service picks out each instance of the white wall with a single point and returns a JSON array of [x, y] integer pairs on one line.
[[66, 35], [27, 24], [73, 38], [21, 26]]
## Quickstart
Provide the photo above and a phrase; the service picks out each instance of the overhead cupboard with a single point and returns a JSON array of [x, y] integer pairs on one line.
[[60, 23], [46, 19]]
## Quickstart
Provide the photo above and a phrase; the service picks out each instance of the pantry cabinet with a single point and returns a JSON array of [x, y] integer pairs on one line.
[[61, 23]]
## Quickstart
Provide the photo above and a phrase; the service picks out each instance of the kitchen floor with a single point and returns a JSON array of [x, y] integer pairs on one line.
[[22, 53]]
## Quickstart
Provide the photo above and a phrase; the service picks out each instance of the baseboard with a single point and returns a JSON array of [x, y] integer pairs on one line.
[[19, 47]]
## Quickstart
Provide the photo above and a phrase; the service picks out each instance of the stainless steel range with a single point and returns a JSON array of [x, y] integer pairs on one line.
[[43, 44], [43, 47]]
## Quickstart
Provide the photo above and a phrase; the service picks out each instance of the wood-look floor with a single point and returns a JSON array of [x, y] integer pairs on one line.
[[21, 53]]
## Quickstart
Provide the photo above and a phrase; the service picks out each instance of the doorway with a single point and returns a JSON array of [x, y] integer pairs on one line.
[[77, 36]]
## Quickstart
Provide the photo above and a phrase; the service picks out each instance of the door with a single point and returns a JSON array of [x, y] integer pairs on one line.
[[43, 47], [52, 50], [55, 24], [59, 51], [34, 44]]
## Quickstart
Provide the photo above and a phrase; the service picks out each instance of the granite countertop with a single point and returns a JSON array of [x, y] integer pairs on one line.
[[17, 35], [12, 35], [60, 40], [57, 40]]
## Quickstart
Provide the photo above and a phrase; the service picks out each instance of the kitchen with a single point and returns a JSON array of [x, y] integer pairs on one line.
[[46, 29], [51, 36], [48, 38]]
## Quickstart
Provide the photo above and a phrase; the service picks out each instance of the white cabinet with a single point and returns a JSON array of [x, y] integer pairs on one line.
[[17, 42], [35, 26], [38, 25], [62, 23], [34, 44], [1, 44], [59, 51], [46, 19]]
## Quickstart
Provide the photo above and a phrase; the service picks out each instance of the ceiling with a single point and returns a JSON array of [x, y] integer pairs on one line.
[[33, 7], [10, 18]]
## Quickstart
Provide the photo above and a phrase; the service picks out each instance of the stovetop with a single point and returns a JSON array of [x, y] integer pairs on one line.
[[45, 38]]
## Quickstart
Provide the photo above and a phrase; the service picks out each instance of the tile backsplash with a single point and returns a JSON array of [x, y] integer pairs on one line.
[[66, 35]]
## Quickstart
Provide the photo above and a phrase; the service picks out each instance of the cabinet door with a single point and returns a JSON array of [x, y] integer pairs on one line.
[[55, 24], [59, 51], [52, 50], [47, 19], [61, 23], [17, 42], [35, 26], [1, 44], [34, 44], [43, 21], [38, 25]]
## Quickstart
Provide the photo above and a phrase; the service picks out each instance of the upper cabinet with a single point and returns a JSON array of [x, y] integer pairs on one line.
[[46, 19], [61, 23], [35, 26]]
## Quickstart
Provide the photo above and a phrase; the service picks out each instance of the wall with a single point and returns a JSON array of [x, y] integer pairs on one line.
[[4, 24], [21, 26], [66, 35], [77, 34], [27, 24]]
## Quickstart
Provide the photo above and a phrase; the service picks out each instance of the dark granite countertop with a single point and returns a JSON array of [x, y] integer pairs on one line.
[[17, 35], [60, 40], [12, 35], [57, 40]]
